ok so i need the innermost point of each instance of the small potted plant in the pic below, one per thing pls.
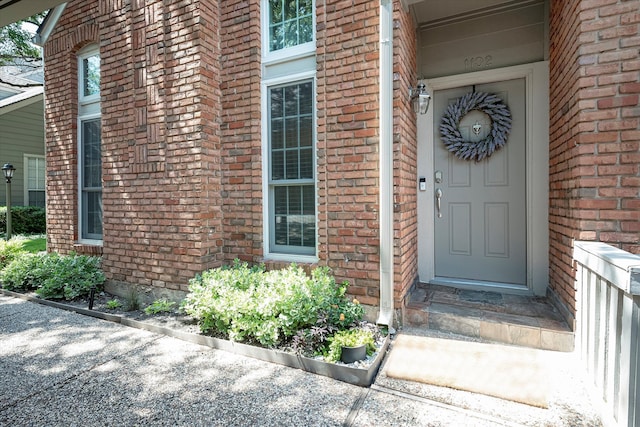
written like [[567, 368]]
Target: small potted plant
[[351, 345]]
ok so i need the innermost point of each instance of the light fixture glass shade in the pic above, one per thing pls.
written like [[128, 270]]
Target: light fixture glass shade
[[420, 98], [8, 170], [423, 103]]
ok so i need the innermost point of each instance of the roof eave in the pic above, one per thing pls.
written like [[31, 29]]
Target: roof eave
[[21, 100], [46, 28]]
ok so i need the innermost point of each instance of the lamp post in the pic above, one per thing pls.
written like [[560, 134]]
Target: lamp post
[[8, 171]]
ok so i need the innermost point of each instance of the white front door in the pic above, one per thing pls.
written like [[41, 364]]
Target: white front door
[[479, 226]]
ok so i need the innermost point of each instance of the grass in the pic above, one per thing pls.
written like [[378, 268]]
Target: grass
[[34, 244]]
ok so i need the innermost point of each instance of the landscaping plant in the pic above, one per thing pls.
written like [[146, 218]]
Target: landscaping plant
[[349, 338], [160, 306], [24, 220], [133, 300], [270, 307], [113, 304], [54, 276], [10, 250]]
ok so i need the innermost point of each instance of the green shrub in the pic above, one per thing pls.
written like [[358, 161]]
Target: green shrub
[[10, 250], [24, 220], [54, 276], [25, 272], [252, 304]]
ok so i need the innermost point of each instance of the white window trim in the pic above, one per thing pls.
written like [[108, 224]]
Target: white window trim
[[289, 53], [266, 199], [26, 158]]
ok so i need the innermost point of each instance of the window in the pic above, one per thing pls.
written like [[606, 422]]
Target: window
[[89, 147], [34, 182], [290, 23], [91, 76], [289, 111], [291, 181], [91, 180]]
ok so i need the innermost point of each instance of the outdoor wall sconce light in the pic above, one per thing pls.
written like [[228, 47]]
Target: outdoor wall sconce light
[[419, 98], [8, 171]]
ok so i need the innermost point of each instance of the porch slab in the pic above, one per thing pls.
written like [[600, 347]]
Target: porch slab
[[528, 321]]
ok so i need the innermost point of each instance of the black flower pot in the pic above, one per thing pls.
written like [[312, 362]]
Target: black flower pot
[[353, 354]]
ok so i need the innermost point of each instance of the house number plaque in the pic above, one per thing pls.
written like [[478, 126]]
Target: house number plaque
[[478, 62]]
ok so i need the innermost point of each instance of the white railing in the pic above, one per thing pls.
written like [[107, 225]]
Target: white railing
[[608, 326]]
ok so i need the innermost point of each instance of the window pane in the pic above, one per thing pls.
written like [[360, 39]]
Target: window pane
[[277, 165], [306, 164], [290, 33], [291, 100], [306, 131], [281, 231], [305, 30], [35, 182], [277, 109], [277, 37], [280, 201], [92, 215], [295, 200], [290, 10], [295, 230], [291, 133], [295, 216], [277, 134], [306, 98], [308, 200], [275, 11], [91, 154], [292, 164], [91, 180], [309, 232], [290, 23], [36, 198], [304, 7], [91, 75]]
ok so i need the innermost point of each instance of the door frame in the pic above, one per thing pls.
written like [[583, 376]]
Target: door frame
[[536, 77]]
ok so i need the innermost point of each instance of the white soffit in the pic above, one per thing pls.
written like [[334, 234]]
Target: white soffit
[[15, 10], [430, 12]]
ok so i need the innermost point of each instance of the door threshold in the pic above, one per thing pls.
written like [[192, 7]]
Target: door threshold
[[480, 285]]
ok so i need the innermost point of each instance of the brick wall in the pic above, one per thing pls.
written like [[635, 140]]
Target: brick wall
[[405, 154], [160, 100], [594, 141], [348, 138], [182, 143], [241, 156], [61, 111]]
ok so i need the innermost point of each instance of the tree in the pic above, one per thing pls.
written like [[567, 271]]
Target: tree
[[16, 48]]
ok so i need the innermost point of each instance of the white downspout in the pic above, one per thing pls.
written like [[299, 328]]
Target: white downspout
[[386, 314]]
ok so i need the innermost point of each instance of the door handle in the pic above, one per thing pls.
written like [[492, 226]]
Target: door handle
[[438, 199]]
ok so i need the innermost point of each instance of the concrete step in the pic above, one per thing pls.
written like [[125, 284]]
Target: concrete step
[[509, 319]]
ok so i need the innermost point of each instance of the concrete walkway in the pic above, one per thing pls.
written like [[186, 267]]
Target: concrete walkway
[[59, 368]]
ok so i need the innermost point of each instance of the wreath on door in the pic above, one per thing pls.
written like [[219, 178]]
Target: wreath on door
[[489, 104]]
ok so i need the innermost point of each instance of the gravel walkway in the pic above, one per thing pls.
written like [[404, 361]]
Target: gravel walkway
[[63, 369]]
